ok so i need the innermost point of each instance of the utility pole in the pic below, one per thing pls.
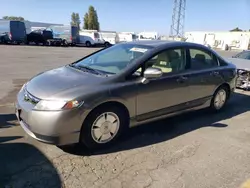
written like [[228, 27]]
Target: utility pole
[[178, 19]]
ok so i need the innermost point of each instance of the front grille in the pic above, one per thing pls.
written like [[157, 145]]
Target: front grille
[[30, 98]]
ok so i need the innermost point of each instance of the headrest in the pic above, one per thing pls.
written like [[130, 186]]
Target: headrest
[[200, 57], [174, 55]]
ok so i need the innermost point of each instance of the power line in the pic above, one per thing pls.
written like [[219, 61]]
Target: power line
[[178, 19]]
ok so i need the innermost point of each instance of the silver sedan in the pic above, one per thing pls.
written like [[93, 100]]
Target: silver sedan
[[95, 99]]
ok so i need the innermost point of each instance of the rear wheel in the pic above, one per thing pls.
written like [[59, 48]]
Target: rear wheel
[[220, 98], [103, 126], [88, 44]]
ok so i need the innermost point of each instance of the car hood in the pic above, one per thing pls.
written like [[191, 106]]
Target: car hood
[[56, 81], [240, 63]]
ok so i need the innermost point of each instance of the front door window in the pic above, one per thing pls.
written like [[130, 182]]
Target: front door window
[[163, 95]]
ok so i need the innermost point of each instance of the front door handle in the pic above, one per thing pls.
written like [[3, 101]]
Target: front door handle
[[214, 73], [182, 79]]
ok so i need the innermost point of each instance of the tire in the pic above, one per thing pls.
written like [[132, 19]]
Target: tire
[[226, 47], [106, 44], [48, 43], [89, 136], [88, 44], [219, 102], [4, 41], [65, 43]]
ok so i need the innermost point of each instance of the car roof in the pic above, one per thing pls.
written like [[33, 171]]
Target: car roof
[[164, 43]]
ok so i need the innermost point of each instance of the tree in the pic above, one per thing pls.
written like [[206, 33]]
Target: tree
[[85, 21], [75, 20], [17, 18], [236, 29], [90, 20], [78, 21]]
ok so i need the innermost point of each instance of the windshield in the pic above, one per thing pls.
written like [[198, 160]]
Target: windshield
[[243, 55], [115, 59], [96, 35]]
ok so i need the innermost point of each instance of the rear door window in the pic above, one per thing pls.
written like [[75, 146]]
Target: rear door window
[[200, 59]]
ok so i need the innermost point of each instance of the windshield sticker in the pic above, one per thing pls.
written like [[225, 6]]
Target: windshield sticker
[[142, 50]]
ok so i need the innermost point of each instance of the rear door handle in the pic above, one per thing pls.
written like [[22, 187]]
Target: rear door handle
[[182, 79]]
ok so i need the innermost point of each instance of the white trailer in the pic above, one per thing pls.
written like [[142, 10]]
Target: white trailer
[[126, 36], [148, 36], [110, 37], [220, 40], [195, 37]]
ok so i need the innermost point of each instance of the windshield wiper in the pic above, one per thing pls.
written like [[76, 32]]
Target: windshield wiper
[[87, 68]]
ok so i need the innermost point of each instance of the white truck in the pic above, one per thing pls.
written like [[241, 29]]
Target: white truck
[[90, 38]]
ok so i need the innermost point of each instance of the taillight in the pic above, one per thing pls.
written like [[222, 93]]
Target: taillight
[[71, 38], [10, 36]]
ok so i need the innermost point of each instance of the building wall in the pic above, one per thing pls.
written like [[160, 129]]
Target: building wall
[[235, 40]]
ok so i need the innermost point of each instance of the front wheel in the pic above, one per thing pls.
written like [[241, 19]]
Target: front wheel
[[103, 126], [219, 99], [65, 43], [106, 44]]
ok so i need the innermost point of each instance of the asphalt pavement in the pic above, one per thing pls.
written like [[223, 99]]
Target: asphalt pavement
[[196, 150]]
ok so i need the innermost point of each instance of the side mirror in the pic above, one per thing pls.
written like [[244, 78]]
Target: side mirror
[[152, 73]]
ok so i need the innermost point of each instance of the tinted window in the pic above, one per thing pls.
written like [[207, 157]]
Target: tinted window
[[201, 59], [134, 36], [168, 61]]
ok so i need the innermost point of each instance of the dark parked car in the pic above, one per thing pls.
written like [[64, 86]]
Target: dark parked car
[[94, 99], [12, 32], [39, 36]]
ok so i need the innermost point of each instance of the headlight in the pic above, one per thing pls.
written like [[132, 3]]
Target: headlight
[[47, 105], [24, 85]]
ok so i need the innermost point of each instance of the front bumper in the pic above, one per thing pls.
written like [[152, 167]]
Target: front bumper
[[243, 79], [52, 127]]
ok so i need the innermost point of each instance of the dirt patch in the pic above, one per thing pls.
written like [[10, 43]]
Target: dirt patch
[[10, 98]]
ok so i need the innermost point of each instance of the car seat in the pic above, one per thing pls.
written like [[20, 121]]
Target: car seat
[[163, 63], [198, 62], [175, 61]]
